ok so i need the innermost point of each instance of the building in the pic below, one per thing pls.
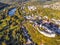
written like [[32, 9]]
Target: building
[[31, 8]]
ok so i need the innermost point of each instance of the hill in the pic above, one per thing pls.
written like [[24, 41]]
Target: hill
[[55, 6]]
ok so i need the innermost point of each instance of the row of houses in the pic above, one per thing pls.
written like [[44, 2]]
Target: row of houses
[[32, 17], [46, 32], [50, 28]]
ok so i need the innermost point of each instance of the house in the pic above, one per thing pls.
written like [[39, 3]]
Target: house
[[28, 41], [46, 6], [32, 8], [56, 21]]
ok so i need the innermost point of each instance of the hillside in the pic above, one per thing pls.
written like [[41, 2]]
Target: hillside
[[22, 24], [55, 6], [41, 1]]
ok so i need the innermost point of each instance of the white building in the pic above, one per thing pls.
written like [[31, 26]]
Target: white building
[[46, 6], [46, 34], [31, 8], [56, 21]]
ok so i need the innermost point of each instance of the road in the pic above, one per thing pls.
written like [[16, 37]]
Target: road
[[2, 5], [27, 36]]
